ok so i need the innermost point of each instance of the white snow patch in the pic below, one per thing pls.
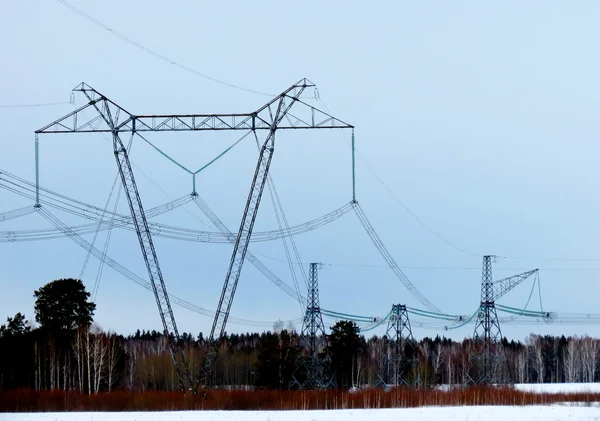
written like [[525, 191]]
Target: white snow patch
[[559, 387], [471, 413], [543, 387]]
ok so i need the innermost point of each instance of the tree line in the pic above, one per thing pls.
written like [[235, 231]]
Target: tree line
[[67, 351]]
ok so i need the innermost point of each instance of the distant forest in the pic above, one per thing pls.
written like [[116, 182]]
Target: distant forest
[[67, 351]]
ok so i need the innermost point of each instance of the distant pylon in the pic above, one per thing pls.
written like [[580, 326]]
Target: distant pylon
[[488, 359], [313, 369], [399, 356], [487, 333]]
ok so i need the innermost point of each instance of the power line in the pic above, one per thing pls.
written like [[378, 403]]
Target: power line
[[43, 104], [167, 194], [156, 54], [431, 230], [400, 202], [563, 259], [366, 265], [439, 236], [409, 211], [47, 104]]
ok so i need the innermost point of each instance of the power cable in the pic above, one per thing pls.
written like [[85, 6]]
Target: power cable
[[106, 243], [409, 211], [562, 259], [474, 268], [249, 256], [390, 260], [167, 231], [427, 227], [155, 54], [395, 197], [76, 207], [16, 213], [108, 233], [291, 264], [47, 104], [167, 194], [280, 215], [137, 279], [43, 104], [540, 291], [99, 225], [212, 161]]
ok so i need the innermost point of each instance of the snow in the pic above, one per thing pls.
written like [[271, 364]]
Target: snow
[[559, 387], [471, 413], [545, 387]]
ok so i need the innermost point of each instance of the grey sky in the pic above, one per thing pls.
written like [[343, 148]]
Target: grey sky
[[481, 117]]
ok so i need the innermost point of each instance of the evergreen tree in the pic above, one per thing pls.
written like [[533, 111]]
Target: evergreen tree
[[344, 345], [62, 305]]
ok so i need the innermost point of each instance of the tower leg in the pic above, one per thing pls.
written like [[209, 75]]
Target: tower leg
[[154, 272]]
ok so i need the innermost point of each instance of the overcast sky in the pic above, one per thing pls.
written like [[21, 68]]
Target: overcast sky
[[481, 117]]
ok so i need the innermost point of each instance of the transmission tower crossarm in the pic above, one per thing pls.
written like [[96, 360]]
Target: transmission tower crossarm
[[502, 286], [262, 119], [104, 120]]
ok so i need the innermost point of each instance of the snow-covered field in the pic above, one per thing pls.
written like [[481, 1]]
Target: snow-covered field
[[471, 413], [548, 387], [559, 387]]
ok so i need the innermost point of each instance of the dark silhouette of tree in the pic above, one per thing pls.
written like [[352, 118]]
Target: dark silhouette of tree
[[62, 305], [276, 360], [15, 326], [16, 356], [344, 345]]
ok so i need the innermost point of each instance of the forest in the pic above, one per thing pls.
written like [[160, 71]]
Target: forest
[[66, 350]]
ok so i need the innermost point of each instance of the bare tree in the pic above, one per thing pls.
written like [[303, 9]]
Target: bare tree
[[589, 358], [522, 366], [99, 351], [450, 365], [467, 353], [436, 360], [423, 366], [52, 360], [535, 345], [113, 360], [79, 353], [132, 352], [572, 361]]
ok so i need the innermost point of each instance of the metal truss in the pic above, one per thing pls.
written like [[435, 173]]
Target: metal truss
[[109, 117], [399, 359], [487, 334], [263, 118], [314, 370]]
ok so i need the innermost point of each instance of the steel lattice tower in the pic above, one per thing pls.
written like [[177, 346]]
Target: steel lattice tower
[[487, 328], [313, 371], [110, 118], [487, 336], [399, 358]]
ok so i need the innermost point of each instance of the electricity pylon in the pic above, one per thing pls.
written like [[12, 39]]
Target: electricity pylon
[[109, 117], [487, 334], [399, 358], [314, 370]]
